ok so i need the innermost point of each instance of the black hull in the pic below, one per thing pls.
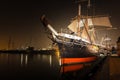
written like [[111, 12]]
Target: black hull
[[74, 51]]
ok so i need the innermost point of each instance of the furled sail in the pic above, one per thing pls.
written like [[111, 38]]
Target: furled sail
[[74, 25], [101, 21], [93, 21], [77, 26]]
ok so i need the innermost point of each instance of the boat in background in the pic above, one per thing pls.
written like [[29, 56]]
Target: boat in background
[[78, 43]]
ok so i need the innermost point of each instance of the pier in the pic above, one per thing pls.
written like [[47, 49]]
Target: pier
[[110, 69], [28, 51], [106, 68]]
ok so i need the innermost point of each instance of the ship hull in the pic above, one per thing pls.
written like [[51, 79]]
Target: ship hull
[[71, 50], [71, 53]]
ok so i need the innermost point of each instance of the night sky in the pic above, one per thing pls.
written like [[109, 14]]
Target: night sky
[[20, 20]]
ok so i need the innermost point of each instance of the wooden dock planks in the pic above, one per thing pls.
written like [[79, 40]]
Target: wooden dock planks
[[114, 64]]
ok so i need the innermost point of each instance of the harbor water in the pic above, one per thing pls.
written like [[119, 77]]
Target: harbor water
[[43, 66], [29, 66]]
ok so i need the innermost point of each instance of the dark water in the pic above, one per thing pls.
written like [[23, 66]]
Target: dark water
[[29, 66]]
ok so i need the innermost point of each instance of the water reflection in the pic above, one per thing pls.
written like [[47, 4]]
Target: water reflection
[[29, 65], [24, 59], [21, 59], [39, 66], [71, 68], [50, 59], [42, 58]]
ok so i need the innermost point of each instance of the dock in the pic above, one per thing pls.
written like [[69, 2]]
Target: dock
[[110, 70], [114, 68], [107, 68], [15, 51]]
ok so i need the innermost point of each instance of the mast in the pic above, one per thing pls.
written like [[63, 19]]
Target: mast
[[9, 43], [79, 13], [80, 24], [89, 4], [86, 23], [79, 9]]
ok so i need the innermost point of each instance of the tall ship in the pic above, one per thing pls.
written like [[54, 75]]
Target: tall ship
[[79, 40]]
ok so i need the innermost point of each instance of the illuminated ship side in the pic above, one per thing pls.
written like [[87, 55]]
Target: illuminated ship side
[[79, 41]]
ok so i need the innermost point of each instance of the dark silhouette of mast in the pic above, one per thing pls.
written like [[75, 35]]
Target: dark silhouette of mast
[[9, 43], [79, 17]]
